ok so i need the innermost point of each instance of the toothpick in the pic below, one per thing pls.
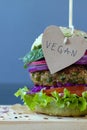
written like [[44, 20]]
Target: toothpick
[[71, 15]]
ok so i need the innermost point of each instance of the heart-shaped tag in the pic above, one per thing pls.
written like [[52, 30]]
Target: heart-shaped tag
[[57, 54]]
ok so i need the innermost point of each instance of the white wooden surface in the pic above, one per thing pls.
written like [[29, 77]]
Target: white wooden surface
[[17, 117]]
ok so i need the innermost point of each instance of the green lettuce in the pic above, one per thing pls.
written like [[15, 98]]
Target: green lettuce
[[42, 100], [33, 55]]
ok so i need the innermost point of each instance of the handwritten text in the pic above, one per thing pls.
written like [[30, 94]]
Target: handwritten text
[[61, 49]]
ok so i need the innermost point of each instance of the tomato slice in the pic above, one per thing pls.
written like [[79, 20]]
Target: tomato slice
[[73, 90]]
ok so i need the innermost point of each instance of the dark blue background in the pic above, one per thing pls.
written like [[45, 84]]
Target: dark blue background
[[21, 21]]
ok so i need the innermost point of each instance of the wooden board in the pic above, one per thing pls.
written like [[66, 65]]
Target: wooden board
[[18, 117]]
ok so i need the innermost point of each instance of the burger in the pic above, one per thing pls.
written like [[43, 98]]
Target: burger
[[63, 93]]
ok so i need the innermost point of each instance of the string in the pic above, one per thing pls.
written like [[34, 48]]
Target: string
[[70, 20], [71, 16]]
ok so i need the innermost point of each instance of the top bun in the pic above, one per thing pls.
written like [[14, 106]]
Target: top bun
[[67, 33]]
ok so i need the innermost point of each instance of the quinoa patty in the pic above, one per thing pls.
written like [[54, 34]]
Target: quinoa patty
[[74, 74]]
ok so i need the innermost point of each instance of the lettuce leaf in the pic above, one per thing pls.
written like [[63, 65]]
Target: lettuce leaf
[[42, 100], [21, 92], [33, 55]]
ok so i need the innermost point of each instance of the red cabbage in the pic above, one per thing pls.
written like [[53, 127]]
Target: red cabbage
[[82, 61], [38, 88], [35, 89], [41, 65], [37, 68]]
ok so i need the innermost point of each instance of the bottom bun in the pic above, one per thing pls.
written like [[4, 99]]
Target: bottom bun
[[55, 111]]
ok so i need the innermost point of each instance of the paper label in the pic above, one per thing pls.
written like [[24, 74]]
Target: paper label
[[57, 54]]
